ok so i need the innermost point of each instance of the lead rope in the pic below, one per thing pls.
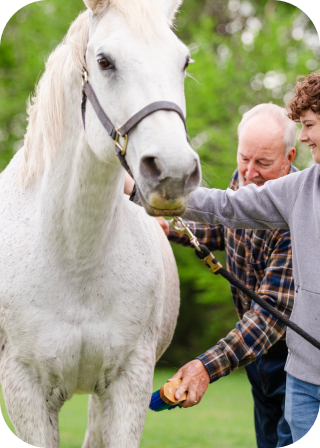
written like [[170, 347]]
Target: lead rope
[[215, 267]]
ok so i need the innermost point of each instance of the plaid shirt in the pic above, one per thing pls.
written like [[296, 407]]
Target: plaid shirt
[[261, 259]]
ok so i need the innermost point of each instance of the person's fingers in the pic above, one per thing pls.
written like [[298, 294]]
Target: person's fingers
[[184, 383], [191, 398], [198, 381], [128, 184], [164, 224], [182, 388], [195, 380]]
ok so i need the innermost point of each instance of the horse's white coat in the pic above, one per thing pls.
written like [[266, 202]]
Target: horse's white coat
[[89, 290]]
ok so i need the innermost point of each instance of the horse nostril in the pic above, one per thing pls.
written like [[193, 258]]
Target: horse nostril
[[193, 179], [149, 168]]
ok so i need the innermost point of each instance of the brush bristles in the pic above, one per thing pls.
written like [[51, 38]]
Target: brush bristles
[[157, 404]]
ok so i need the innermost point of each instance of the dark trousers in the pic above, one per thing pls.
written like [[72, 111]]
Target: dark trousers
[[268, 381]]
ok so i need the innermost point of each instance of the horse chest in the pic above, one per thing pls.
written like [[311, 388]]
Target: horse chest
[[91, 324]]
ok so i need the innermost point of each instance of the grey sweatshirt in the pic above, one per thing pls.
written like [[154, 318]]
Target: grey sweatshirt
[[290, 202]]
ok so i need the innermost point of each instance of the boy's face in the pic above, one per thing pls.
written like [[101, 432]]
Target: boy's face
[[310, 133]]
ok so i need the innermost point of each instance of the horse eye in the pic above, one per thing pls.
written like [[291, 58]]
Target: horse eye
[[104, 63]]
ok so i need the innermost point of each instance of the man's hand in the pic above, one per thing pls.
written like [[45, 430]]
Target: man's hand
[[128, 184], [195, 380], [164, 224]]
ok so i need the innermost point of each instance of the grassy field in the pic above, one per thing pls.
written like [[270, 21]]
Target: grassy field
[[224, 418]]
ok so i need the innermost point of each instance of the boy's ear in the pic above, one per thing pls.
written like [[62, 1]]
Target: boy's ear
[[96, 6]]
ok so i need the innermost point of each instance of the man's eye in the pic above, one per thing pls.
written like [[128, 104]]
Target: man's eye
[[104, 63]]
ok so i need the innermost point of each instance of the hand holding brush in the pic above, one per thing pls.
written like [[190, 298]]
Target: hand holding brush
[[164, 397], [186, 388]]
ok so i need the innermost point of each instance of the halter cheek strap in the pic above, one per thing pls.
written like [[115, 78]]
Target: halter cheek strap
[[116, 133]]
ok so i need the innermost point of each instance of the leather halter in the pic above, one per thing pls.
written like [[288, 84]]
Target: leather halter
[[116, 133]]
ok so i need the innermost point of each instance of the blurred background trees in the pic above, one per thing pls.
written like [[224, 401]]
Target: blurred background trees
[[245, 53]]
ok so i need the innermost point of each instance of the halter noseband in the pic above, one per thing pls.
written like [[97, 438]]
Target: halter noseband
[[116, 133]]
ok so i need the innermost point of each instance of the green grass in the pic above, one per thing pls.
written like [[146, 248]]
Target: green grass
[[223, 419]]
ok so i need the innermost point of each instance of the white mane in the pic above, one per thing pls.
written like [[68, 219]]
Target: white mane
[[144, 16], [45, 109]]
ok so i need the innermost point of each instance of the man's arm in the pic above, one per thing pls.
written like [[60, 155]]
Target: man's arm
[[256, 332]]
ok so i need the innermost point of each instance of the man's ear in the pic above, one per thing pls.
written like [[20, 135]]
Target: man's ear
[[171, 7], [291, 155], [96, 6]]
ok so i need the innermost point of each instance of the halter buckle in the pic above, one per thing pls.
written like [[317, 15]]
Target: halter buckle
[[84, 76], [116, 142]]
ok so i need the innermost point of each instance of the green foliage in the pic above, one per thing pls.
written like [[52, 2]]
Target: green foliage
[[28, 39], [246, 53]]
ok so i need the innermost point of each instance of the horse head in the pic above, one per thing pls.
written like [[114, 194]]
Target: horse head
[[133, 60]]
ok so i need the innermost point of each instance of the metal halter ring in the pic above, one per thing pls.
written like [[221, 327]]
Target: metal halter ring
[[84, 76], [116, 142]]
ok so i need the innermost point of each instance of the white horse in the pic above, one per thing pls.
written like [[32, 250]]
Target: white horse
[[89, 291]]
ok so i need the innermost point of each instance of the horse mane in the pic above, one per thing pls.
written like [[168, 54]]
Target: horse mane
[[46, 108], [145, 16]]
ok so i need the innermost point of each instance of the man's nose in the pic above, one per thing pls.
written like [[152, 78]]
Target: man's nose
[[251, 172]]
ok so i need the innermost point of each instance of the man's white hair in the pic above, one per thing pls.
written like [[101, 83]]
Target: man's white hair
[[279, 115]]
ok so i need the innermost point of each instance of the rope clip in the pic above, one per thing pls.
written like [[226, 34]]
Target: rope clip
[[182, 227]]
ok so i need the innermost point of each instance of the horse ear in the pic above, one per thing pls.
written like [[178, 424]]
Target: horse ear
[[96, 6], [171, 8]]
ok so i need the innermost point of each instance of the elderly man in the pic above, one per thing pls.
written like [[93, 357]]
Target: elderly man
[[261, 259]]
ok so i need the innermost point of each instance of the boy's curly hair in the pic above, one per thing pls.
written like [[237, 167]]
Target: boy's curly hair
[[307, 96]]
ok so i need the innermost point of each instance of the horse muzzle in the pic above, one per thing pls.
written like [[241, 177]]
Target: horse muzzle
[[163, 195]]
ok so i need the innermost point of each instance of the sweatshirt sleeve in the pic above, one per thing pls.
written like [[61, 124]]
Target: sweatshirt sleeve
[[250, 207]]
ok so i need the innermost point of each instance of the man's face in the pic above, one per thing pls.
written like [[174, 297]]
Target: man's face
[[261, 153], [310, 133]]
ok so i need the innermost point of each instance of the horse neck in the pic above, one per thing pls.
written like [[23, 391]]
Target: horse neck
[[83, 197]]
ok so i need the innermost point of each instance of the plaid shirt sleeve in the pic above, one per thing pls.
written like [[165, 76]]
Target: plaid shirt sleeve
[[210, 236], [257, 331]]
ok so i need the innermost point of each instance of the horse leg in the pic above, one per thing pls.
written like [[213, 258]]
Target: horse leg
[[27, 407], [93, 437], [125, 403]]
